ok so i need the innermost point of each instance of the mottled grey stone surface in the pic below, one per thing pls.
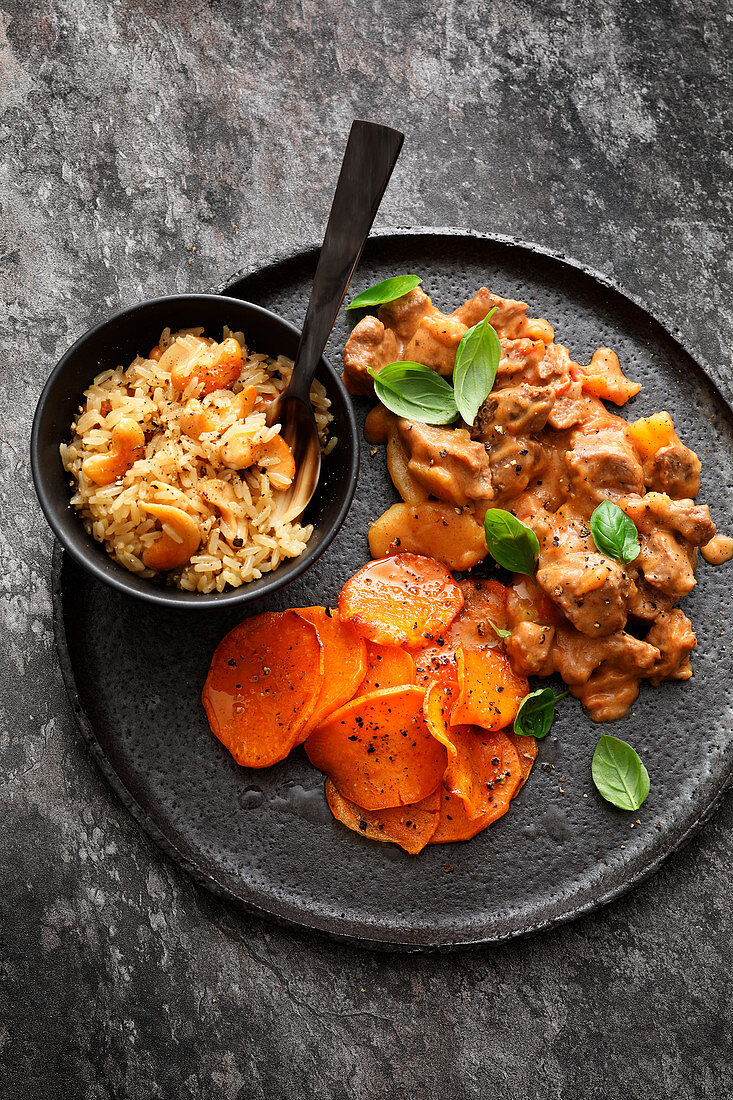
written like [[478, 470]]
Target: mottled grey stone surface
[[151, 146]]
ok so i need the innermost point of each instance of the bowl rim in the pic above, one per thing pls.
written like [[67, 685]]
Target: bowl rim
[[176, 598]]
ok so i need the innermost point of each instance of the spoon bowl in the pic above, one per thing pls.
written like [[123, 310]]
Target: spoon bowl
[[298, 429]]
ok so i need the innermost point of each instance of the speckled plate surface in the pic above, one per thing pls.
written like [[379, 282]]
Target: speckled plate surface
[[266, 839]]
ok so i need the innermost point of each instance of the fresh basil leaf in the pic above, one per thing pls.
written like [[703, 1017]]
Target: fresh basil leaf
[[477, 361], [614, 533], [510, 542], [386, 291], [415, 391], [499, 632], [618, 773], [537, 712]]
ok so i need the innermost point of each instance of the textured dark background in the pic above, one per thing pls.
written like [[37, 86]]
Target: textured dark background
[[152, 146]]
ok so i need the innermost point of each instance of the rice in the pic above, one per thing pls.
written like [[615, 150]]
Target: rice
[[241, 537]]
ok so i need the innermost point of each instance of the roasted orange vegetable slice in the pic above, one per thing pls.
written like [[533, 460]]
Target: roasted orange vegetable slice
[[439, 701], [378, 750], [455, 824], [409, 826], [526, 751], [490, 691], [485, 770], [262, 687], [485, 602], [434, 662], [387, 666], [344, 662], [403, 600]]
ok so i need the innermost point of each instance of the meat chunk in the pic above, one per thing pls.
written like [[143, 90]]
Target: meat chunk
[[510, 320], [404, 315], [673, 636], [447, 463], [520, 362], [671, 531], [571, 407], [528, 648], [591, 590], [689, 520], [435, 343], [667, 565], [603, 465], [515, 461], [537, 650], [674, 470], [518, 410], [376, 341], [604, 673], [556, 367], [369, 345], [646, 602]]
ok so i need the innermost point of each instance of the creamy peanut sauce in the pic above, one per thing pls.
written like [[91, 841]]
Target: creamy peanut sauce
[[545, 447], [719, 550]]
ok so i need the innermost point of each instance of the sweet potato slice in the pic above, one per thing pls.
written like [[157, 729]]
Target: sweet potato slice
[[431, 528], [439, 701], [403, 600], [455, 824], [485, 602], [262, 687], [388, 666], [526, 751], [344, 663], [409, 826], [484, 772], [378, 750], [434, 661], [490, 691]]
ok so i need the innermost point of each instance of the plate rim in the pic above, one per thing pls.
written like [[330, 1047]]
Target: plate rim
[[208, 881]]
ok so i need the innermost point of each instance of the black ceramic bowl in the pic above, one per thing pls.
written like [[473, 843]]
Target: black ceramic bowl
[[116, 341]]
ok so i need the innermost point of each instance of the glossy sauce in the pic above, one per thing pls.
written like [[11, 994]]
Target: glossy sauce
[[719, 550]]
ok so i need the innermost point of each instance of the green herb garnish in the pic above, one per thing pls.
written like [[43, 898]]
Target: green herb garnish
[[614, 533], [510, 542], [386, 291], [618, 773], [537, 712], [474, 373], [500, 633], [416, 392]]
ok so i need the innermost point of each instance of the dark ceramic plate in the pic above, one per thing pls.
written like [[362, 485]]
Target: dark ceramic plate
[[267, 839]]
